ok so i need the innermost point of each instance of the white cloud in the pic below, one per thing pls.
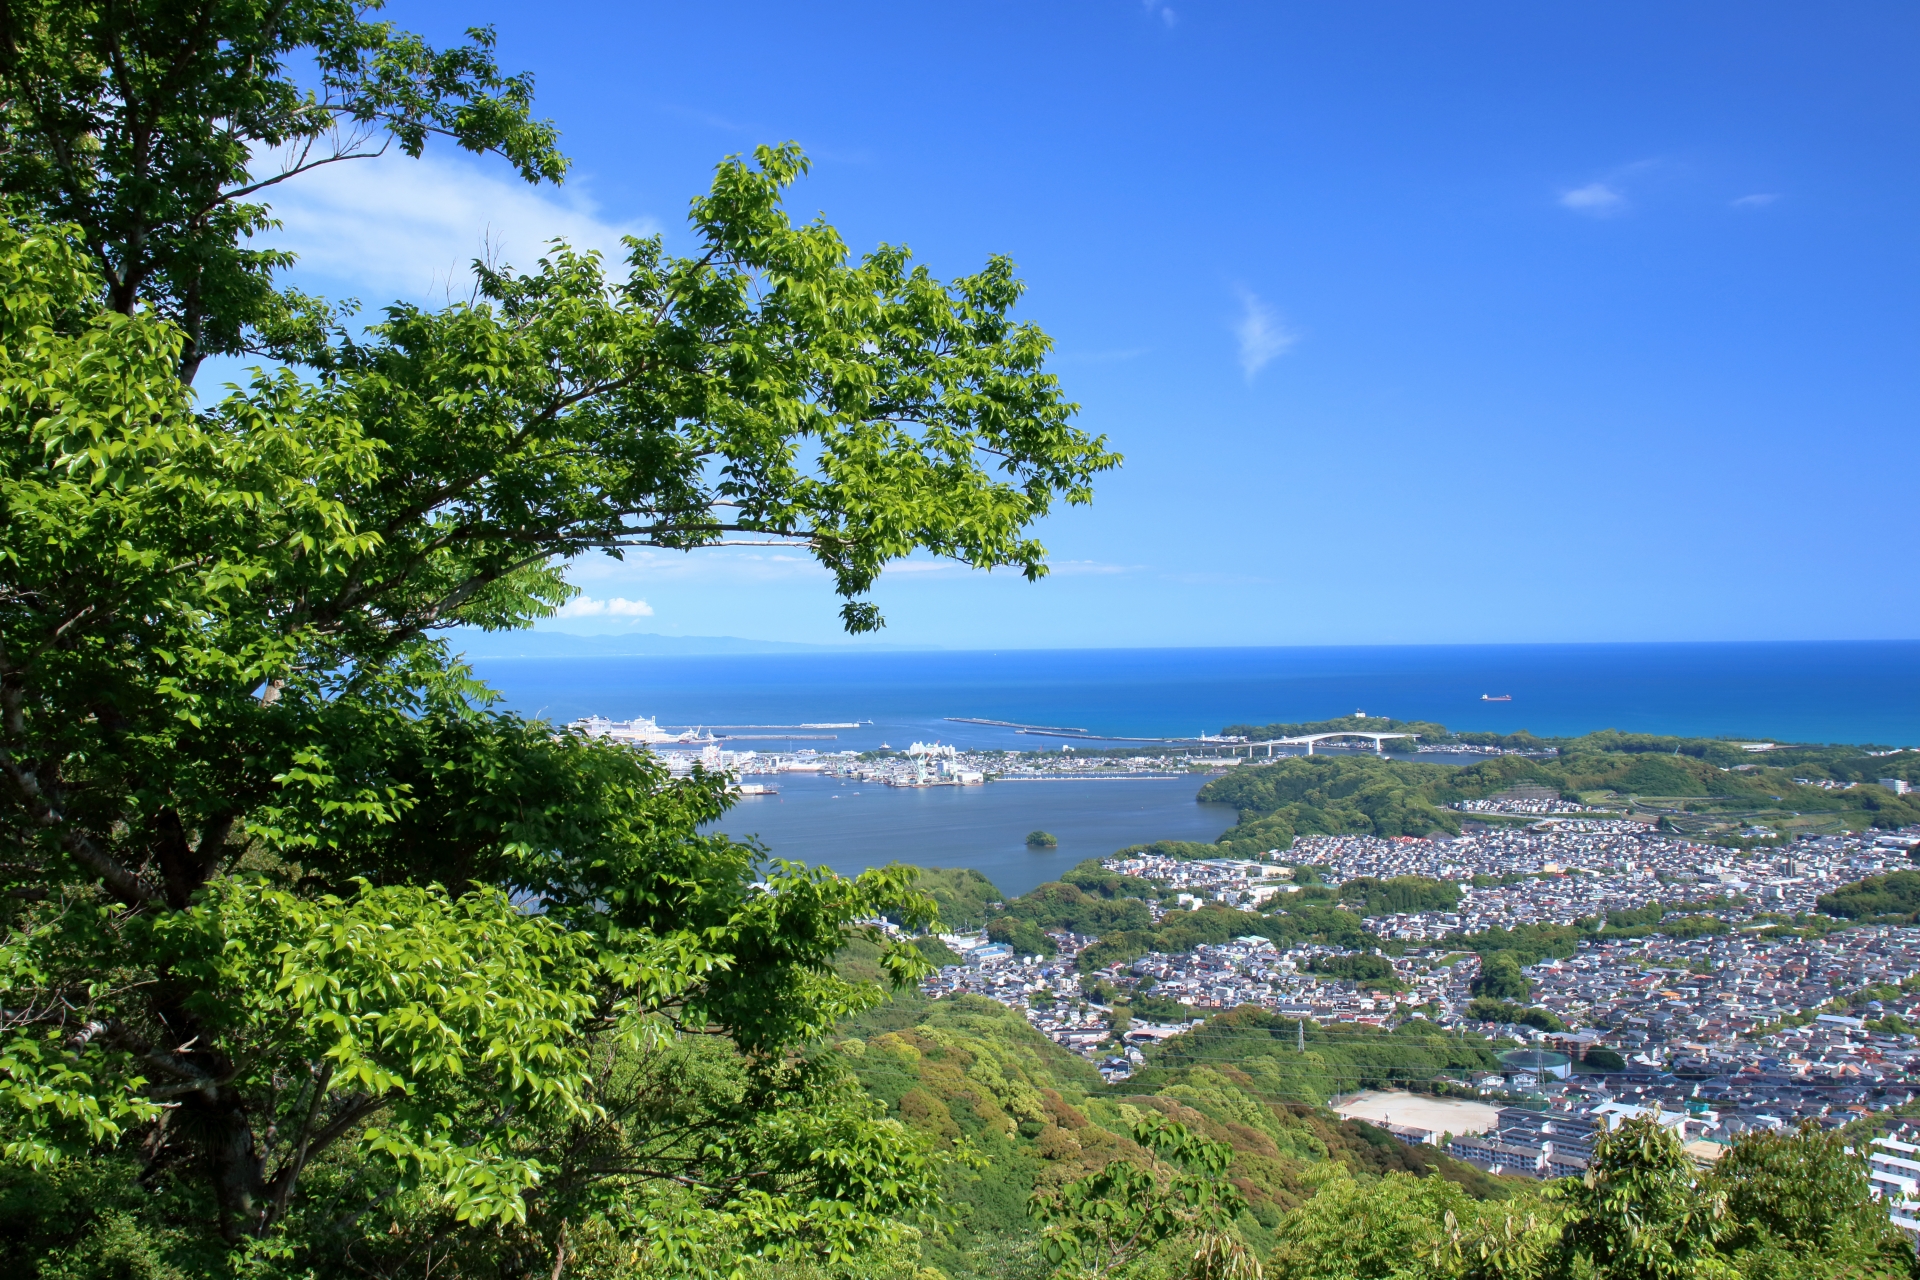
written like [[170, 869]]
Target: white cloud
[[1596, 200], [645, 569], [400, 228], [1262, 335], [1164, 12], [618, 607], [1757, 200]]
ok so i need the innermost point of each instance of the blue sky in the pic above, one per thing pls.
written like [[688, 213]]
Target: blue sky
[[1416, 323]]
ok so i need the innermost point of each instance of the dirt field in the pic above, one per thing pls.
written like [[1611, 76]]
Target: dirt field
[[1442, 1115]]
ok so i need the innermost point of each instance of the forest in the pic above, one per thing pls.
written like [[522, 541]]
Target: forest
[[1689, 781]]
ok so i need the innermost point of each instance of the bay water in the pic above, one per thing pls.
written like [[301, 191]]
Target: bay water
[[1857, 692]]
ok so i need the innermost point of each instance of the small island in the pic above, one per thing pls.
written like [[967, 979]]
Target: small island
[[1042, 840]]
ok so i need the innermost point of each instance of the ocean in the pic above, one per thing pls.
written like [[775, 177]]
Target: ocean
[[1859, 692]]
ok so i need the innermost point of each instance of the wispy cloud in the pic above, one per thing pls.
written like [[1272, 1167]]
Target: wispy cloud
[[1757, 200], [643, 570], [1613, 192], [1596, 200], [1164, 12], [1072, 567], [618, 607], [723, 123], [400, 228], [1262, 335]]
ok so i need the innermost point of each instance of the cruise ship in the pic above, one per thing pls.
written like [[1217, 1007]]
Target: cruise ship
[[642, 730]]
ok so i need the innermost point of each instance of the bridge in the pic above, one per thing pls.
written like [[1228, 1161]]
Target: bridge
[[1310, 739]]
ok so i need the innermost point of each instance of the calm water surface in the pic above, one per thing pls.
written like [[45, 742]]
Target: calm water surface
[[1828, 692], [1863, 692], [851, 826]]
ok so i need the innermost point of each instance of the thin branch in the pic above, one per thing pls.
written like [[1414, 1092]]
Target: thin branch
[[294, 171], [283, 1182]]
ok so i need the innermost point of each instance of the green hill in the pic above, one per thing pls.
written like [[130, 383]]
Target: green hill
[[971, 1071], [1684, 777], [1892, 899]]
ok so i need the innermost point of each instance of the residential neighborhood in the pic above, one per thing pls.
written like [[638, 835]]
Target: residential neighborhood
[[1718, 1034]]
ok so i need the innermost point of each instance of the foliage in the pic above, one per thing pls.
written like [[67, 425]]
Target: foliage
[[151, 127], [1156, 1008], [972, 1076], [1213, 924], [1329, 795], [1500, 979], [1186, 849], [1528, 944], [1042, 840], [1374, 897], [292, 913], [1799, 1205], [937, 953], [1402, 1227], [961, 893], [1774, 1206], [1023, 935], [1092, 878], [1490, 1009], [1894, 898], [1642, 1212], [1365, 794], [1337, 1058], [1099, 1224], [1058, 905], [1356, 968], [696, 1158]]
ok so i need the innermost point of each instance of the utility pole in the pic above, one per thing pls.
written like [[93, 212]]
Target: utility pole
[[1301, 1027]]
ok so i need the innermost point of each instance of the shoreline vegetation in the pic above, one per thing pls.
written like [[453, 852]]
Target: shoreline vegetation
[[1706, 788]]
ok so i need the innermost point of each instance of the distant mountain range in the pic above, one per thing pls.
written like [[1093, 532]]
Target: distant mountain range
[[563, 644]]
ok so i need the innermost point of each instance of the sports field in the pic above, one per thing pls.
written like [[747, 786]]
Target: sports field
[[1442, 1115]]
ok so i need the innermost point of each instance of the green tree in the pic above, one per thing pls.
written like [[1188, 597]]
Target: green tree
[[1488, 1009], [286, 894], [1501, 979], [153, 126], [1100, 1224], [961, 893], [1895, 896], [1400, 893], [1358, 968], [1642, 1213], [1024, 936], [1402, 1227], [1800, 1205]]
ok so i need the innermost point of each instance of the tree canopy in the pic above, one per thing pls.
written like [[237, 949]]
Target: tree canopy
[[289, 901]]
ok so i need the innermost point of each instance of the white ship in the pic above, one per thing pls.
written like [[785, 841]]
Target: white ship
[[642, 731]]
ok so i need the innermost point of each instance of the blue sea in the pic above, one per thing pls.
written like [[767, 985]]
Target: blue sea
[[1856, 692]]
